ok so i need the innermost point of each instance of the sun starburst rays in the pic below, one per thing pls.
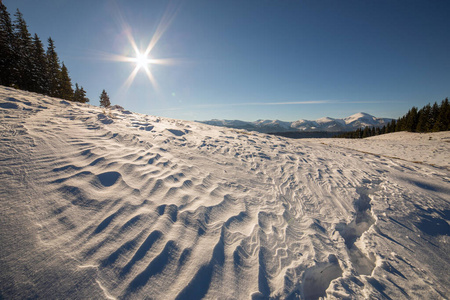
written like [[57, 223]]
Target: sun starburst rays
[[142, 59]]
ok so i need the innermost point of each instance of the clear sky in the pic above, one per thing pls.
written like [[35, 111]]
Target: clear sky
[[253, 59]]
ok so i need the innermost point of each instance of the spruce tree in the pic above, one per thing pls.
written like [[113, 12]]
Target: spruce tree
[[443, 120], [7, 57], [424, 125], [399, 126], [388, 127], [434, 114], [411, 120], [358, 133], [83, 94], [53, 70], [366, 132], [23, 49], [393, 126], [39, 82], [79, 95], [65, 88], [104, 99]]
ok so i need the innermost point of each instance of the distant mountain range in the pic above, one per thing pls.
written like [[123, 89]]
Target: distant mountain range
[[326, 124]]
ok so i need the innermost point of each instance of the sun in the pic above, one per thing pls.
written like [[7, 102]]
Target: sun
[[142, 60]]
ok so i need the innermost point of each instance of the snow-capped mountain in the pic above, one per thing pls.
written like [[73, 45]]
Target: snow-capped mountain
[[325, 124]]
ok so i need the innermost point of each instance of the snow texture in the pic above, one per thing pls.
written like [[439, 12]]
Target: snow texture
[[112, 204]]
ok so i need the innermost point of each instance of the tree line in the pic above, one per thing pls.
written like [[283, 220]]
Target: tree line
[[430, 118], [25, 65]]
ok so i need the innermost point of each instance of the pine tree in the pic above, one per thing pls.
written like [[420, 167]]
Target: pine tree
[[358, 133], [434, 115], [378, 131], [65, 88], [399, 126], [79, 95], [443, 120], [83, 93], [446, 115], [393, 126], [411, 120], [423, 125], [23, 48], [366, 132], [39, 82], [53, 70], [388, 127], [104, 99], [7, 57]]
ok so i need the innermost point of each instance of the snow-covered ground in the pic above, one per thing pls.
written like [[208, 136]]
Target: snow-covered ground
[[424, 148], [101, 204]]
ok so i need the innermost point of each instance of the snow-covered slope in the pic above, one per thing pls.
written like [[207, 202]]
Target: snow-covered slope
[[325, 124], [117, 205]]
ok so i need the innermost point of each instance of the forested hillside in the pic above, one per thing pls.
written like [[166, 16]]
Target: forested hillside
[[25, 65], [427, 119]]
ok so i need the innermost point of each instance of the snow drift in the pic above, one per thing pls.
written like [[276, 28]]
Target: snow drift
[[105, 204]]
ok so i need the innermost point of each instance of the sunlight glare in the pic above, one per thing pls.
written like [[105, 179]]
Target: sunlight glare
[[142, 60]]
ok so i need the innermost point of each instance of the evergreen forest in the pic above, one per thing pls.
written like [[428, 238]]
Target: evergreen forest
[[25, 65], [430, 118]]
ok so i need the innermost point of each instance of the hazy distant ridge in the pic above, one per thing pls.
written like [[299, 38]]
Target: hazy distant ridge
[[326, 124]]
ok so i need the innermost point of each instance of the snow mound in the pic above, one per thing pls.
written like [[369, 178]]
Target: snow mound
[[107, 205]]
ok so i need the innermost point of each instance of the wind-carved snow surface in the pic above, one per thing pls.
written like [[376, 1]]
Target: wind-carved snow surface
[[111, 204]]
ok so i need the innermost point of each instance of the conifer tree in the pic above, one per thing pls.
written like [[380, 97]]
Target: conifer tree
[[398, 125], [104, 99], [424, 124], [83, 92], [39, 82], [434, 114], [65, 88], [76, 93], [53, 70], [23, 49], [79, 95], [389, 127], [7, 57], [393, 126], [411, 120], [443, 120], [366, 132], [359, 133]]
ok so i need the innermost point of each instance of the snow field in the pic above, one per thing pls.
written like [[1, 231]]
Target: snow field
[[114, 204]]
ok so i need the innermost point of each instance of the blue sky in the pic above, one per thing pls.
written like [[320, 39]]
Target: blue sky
[[254, 59]]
